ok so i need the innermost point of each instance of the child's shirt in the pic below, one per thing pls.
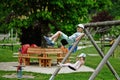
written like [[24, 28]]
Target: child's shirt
[[77, 64], [74, 36]]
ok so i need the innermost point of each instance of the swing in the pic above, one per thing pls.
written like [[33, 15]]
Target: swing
[[72, 68], [74, 50], [64, 42], [63, 61]]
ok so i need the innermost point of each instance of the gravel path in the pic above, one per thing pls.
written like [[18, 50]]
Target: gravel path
[[9, 66]]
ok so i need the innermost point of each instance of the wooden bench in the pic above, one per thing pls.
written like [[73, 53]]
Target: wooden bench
[[42, 55], [36, 53], [55, 51]]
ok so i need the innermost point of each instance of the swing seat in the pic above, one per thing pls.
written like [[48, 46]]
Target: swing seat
[[72, 68], [64, 42], [74, 50]]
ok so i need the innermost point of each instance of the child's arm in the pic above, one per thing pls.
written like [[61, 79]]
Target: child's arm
[[79, 37], [80, 65]]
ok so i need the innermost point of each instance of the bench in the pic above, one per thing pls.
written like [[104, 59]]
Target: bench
[[55, 51], [109, 43], [42, 55], [36, 53]]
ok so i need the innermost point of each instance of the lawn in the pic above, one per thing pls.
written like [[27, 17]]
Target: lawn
[[91, 61]]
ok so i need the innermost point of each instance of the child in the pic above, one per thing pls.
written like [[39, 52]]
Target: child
[[77, 64], [70, 39]]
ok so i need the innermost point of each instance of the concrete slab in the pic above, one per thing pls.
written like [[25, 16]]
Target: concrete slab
[[9, 66]]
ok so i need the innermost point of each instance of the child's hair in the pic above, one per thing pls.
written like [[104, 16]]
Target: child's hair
[[78, 58], [83, 58]]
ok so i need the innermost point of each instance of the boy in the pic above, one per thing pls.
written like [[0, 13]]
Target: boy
[[77, 64], [69, 39]]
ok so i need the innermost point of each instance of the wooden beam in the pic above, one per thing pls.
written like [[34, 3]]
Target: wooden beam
[[104, 23]]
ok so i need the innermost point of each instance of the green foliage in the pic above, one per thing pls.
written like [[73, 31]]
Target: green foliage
[[59, 10], [44, 14], [115, 10], [60, 14], [103, 5], [97, 37], [115, 31]]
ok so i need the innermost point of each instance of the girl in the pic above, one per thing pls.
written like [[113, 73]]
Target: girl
[[77, 64]]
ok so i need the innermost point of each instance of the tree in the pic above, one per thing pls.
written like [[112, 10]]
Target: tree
[[44, 15], [115, 11], [101, 16]]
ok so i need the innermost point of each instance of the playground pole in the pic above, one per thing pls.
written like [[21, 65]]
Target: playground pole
[[104, 23], [63, 61], [104, 60], [101, 54]]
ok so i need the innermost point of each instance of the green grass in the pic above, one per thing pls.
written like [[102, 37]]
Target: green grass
[[91, 61], [6, 55]]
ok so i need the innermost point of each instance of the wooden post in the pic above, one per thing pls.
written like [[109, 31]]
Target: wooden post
[[104, 60]]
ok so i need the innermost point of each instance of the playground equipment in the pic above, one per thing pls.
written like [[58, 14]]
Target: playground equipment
[[64, 42], [19, 68], [63, 61], [105, 58], [102, 55]]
